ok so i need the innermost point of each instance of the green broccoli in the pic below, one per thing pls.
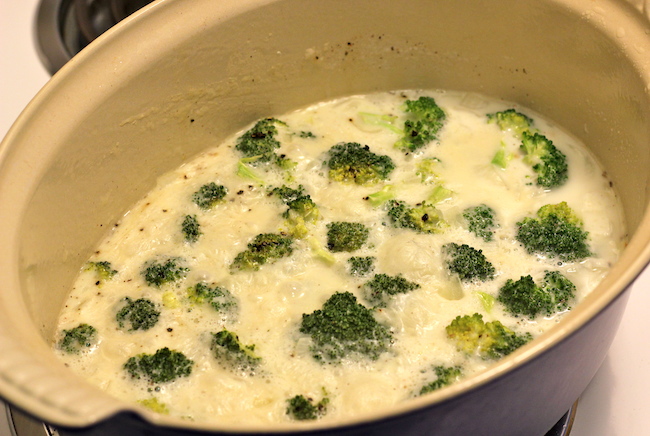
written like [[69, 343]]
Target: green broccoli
[[440, 194], [73, 341], [560, 210], [159, 273], [486, 300], [346, 236], [546, 160], [502, 157], [481, 220], [344, 328], [380, 120], [468, 263], [423, 218], [379, 289], [382, 196], [556, 232], [306, 134], [302, 408], [155, 405], [320, 252], [511, 120], [301, 209], [140, 314], [264, 248], [361, 266], [230, 352], [524, 297], [163, 366], [246, 172], [445, 376], [102, 269], [209, 195], [260, 143], [355, 163], [489, 340], [426, 120], [428, 169], [297, 202], [191, 228], [219, 298]]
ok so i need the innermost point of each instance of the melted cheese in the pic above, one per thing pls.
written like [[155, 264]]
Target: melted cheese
[[273, 299]]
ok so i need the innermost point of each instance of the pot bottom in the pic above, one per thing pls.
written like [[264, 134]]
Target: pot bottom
[[23, 425]]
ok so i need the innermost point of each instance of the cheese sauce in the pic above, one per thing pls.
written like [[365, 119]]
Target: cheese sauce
[[271, 301]]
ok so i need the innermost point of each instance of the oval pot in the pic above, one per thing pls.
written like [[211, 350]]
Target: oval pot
[[178, 77]]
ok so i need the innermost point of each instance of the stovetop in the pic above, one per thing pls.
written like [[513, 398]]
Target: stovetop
[[614, 404]]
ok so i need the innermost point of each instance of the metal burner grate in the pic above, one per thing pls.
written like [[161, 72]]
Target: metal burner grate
[[65, 27], [23, 425]]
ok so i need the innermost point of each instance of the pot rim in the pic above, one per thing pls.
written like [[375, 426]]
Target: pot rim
[[636, 255]]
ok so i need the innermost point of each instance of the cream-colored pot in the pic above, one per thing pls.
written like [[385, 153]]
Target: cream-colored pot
[[181, 75]]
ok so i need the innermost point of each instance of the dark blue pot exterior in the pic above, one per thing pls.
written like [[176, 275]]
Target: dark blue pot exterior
[[527, 401]]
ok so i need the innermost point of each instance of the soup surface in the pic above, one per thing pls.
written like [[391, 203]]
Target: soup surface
[[434, 232]]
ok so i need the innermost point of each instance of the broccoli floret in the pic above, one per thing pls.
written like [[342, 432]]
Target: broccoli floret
[[230, 352], [163, 366], [302, 408], [288, 194], [546, 160], [382, 287], [361, 266], [489, 340], [102, 269], [140, 314], [160, 273], [562, 211], [73, 341], [481, 220], [468, 263], [264, 248], [191, 228], [297, 202], [355, 163], [344, 328], [423, 218], [445, 375], [221, 299], [346, 236], [260, 143], [511, 120], [556, 232], [209, 195], [525, 298], [301, 209], [426, 119]]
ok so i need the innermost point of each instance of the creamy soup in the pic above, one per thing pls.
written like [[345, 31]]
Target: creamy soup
[[470, 161]]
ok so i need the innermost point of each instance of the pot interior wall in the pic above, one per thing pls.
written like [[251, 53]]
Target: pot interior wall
[[163, 100]]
